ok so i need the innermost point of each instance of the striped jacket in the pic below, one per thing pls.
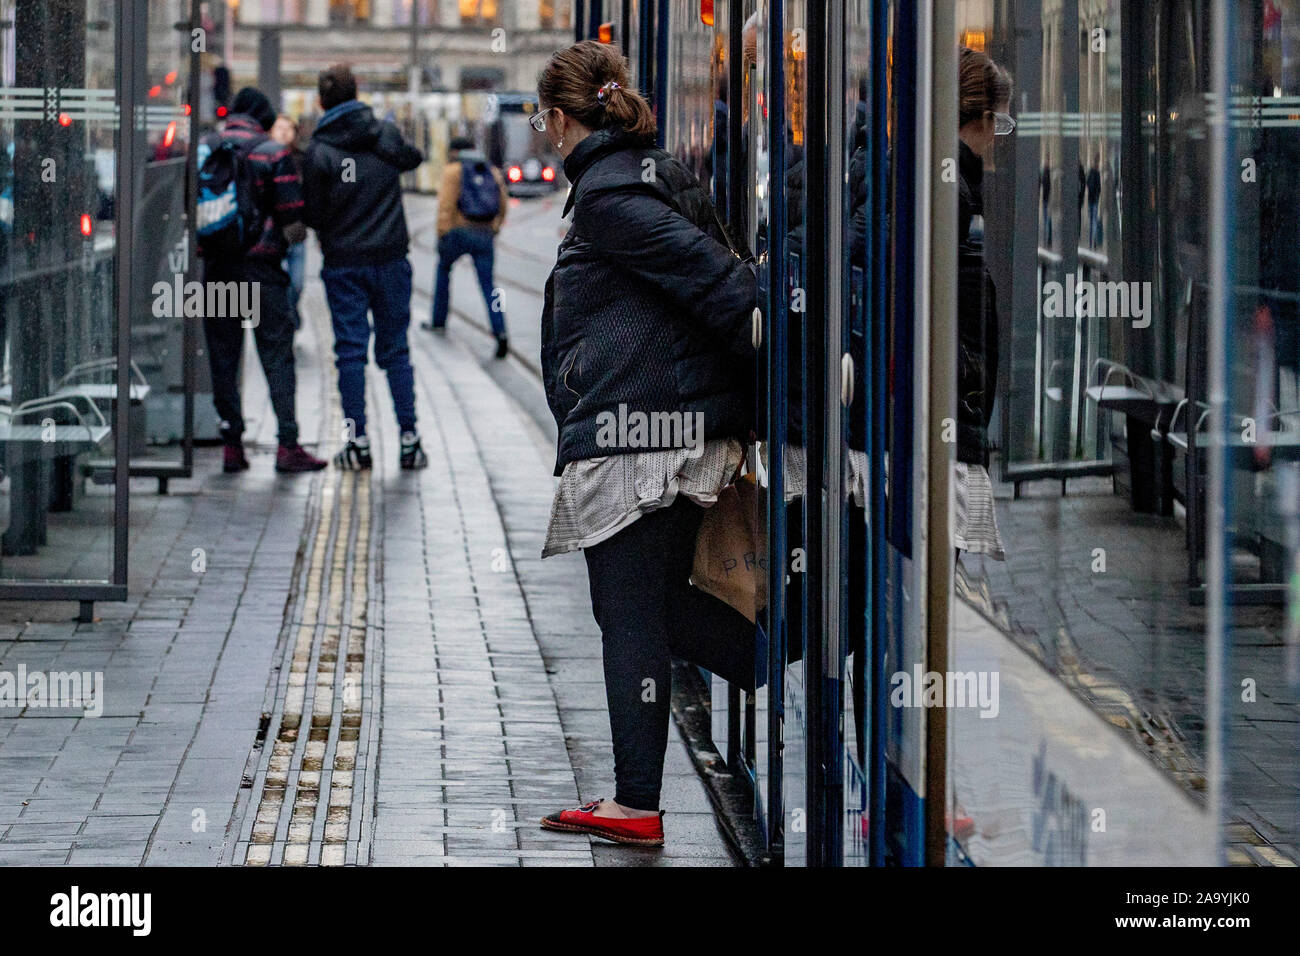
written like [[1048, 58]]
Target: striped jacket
[[278, 182]]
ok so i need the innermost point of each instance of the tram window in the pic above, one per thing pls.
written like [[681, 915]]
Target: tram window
[[1097, 525]]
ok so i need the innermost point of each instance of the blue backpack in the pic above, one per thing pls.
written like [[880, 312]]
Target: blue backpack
[[228, 219], [480, 196]]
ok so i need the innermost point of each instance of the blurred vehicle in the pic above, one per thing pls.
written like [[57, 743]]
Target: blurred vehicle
[[530, 165]]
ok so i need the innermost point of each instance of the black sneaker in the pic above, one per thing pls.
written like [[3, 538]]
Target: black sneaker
[[503, 346], [413, 456], [353, 457]]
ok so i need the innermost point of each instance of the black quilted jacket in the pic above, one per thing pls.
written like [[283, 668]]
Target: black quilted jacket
[[353, 190], [977, 321], [646, 306]]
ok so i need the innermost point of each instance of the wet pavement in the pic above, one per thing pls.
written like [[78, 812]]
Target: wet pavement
[[343, 669]]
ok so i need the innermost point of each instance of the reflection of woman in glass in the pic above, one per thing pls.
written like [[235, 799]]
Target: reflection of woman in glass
[[985, 101]]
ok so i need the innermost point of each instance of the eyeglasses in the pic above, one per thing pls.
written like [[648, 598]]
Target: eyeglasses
[[1004, 124], [538, 120]]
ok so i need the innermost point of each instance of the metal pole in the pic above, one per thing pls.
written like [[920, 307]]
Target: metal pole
[[661, 69], [878, 337], [936, 290], [735, 198], [228, 36], [189, 338], [1219, 344], [835, 350], [778, 302], [132, 34], [268, 65], [414, 72]]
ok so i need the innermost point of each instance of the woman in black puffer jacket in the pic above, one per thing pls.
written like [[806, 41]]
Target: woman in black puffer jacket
[[985, 99], [648, 363]]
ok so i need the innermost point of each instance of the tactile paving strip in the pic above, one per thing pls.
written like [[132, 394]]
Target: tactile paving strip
[[308, 792]]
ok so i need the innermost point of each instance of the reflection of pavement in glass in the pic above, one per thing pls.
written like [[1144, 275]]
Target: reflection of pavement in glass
[[1128, 641], [1047, 783]]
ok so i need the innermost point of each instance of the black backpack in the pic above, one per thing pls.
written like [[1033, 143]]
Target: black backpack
[[228, 218], [480, 196]]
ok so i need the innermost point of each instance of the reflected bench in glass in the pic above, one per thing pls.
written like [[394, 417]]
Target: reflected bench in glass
[[1144, 403], [90, 431], [72, 383], [1245, 452]]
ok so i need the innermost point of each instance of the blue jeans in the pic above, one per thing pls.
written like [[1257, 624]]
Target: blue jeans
[[476, 242], [295, 263], [385, 292]]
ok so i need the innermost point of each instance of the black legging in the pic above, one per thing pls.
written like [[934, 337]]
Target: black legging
[[648, 613]]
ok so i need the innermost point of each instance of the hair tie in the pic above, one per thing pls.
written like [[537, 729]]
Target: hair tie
[[602, 94]]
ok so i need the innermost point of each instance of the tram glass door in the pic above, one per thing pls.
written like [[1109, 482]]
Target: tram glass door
[[783, 51], [1252, 571], [1088, 612], [864, 148]]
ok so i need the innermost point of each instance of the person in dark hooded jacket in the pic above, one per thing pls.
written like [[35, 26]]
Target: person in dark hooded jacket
[[353, 195], [278, 191], [647, 361]]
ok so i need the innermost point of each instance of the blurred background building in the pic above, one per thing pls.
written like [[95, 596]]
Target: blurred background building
[[453, 45], [431, 66]]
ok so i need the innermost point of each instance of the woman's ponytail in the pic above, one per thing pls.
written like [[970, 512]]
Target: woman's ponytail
[[589, 81], [628, 109]]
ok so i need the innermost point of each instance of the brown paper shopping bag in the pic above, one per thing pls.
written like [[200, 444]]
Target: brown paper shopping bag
[[731, 550]]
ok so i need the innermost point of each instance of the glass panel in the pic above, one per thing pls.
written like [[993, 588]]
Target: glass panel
[[694, 58], [58, 327], [1077, 682], [758, 211], [1262, 454], [901, 633], [162, 247], [697, 132], [859, 160], [789, 270]]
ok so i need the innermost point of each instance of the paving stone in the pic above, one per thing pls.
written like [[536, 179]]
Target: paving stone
[[483, 712]]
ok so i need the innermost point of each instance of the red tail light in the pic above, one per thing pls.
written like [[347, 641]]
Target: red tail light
[[548, 174], [169, 137], [706, 12], [87, 224], [516, 174], [65, 119], [222, 111]]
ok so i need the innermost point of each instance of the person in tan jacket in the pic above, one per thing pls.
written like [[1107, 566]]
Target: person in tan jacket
[[472, 201]]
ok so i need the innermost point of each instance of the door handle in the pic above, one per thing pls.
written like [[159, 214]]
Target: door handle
[[756, 328], [846, 380]]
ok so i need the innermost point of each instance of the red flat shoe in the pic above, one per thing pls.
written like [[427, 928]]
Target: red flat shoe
[[638, 831]]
